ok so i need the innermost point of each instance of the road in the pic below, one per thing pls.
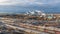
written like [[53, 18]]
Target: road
[[20, 28], [25, 29], [30, 30]]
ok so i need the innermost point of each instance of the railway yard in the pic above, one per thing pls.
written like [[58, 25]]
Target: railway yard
[[28, 24]]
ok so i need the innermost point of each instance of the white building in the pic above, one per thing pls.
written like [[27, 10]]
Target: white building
[[36, 12]]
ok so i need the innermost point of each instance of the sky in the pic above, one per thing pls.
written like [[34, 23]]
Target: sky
[[29, 2], [18, 6]]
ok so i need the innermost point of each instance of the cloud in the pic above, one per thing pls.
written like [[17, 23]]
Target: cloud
[[47, 2], [29, 2]]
